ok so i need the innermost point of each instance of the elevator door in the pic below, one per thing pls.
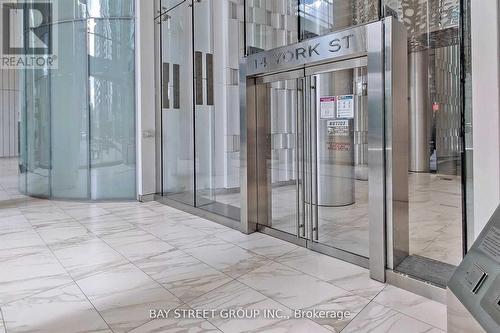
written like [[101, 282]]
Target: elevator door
[[313, 159]]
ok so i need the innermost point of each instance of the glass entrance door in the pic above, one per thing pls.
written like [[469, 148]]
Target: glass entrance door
[[313, 156], [176, 70]]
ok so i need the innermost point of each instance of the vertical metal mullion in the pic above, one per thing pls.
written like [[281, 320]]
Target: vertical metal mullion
[[161, 144], [462, 102], [310, 157], [193, 87], [314, 162], [298, 123]]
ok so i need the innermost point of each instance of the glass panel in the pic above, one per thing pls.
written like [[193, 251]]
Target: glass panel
[[217, 107], [436, 142], [23, 144], [70, 114], [110, 8], [270, 24], [112, 108], [177, 102], [319, 17], [38, 132], [342, 161], [280, 121], [69, 10]]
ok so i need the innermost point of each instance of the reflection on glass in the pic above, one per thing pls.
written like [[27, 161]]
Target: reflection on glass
[[217, 125], [177, 104], [342, 162], [37, 132], [112, 108], [270, 24], [70, 9], [69, 114], [435, 141], [280, 121], [319, 17], [70, 148]]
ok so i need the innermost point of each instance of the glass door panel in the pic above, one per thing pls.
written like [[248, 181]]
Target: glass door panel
[[216, 120], [282, 167], [339, 108], [177, 101], [313, 157], [279, 151]]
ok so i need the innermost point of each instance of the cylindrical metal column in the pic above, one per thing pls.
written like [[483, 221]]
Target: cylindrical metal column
[[419, 157], [335, 144]]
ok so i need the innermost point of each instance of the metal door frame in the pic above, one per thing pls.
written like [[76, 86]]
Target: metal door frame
[[384, 44]]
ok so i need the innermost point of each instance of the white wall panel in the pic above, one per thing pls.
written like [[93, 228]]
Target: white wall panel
[[486, 112]]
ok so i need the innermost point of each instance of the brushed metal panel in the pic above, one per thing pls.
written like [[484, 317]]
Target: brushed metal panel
[[396, 152], [263, 154], [459, 319], [419, 160], [248, 170], [348, 43], [376, 173]]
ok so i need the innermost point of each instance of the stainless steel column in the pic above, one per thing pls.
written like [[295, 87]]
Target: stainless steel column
[[419, 157], [335, 152]]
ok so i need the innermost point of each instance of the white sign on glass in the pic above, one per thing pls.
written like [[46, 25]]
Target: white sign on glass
[[327, 107], [345, 106]]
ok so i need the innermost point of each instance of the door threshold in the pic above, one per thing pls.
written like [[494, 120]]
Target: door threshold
[[316, 247], [416, 286]]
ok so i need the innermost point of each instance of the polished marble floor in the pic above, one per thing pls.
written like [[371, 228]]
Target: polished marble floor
[[100, 267]]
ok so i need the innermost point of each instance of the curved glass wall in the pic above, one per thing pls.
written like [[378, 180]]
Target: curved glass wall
[[78, 120]]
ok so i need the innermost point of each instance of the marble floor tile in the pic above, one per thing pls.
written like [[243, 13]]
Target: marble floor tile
[[181, 236], [87, 257], [234, 296], [64, 232], [106, 224], [206, 226], [27, 273], [133, 214], [86, 212], [2, 324], [421, 308], [124, 296], [376, 318], [19, 237], [235, 236], [60, 310], [137, 244], [8, 211], [267, 246], [337, 272], [299, 291], [172, 325], [183, 275], [227, 258], [45, 215]]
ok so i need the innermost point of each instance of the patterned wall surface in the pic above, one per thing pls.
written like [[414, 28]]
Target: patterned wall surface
[[430, 23], [9, 112]]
